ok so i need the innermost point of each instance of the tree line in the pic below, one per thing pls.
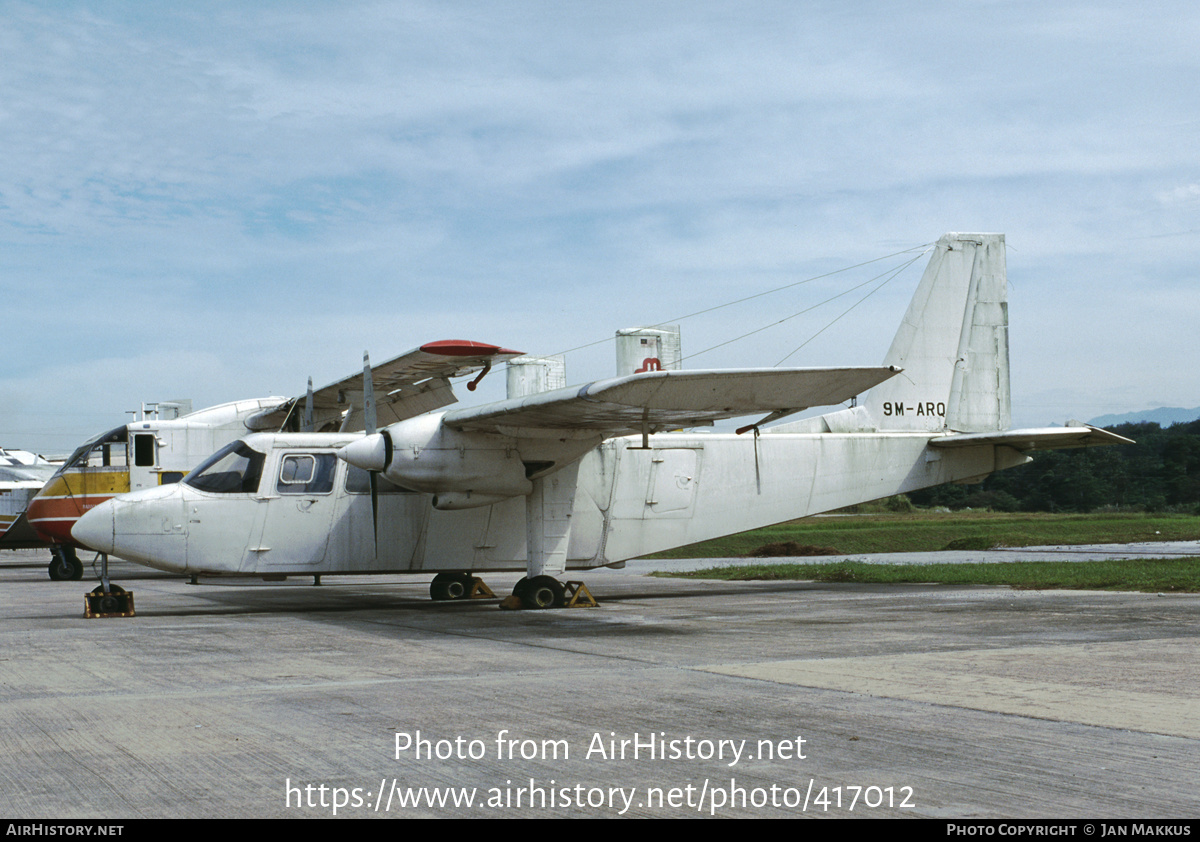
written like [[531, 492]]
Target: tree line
[[1160, 472]]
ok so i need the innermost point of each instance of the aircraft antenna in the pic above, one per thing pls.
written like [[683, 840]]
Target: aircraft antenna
[[887, 276], [922, 250]]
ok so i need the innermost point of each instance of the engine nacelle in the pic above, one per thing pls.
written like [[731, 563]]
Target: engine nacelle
[[463, 468], [426, 456], [449, 501]]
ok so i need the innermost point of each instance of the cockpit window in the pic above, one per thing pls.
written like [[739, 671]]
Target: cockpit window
[[234, 469], [106, 450], [306, 473]]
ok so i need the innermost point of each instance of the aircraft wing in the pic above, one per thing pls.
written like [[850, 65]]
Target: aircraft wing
[[405, 386], [667, 400], [1038, 438]]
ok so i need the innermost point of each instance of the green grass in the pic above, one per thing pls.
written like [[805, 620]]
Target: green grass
[[1147, 575], [929, 531]]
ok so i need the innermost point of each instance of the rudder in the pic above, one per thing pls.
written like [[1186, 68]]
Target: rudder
[[952, 344]]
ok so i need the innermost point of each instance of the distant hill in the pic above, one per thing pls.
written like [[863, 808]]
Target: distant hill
[[1158, 472], [1164, 416]]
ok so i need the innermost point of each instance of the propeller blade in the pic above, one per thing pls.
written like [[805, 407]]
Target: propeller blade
[[375, 508], [306, 424], [370, 419], [370, 424]]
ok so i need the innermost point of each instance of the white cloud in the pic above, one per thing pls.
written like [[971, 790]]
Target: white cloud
[[255, 185], [1182, 193]]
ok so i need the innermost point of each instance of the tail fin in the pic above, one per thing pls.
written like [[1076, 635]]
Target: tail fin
[[952, 344]]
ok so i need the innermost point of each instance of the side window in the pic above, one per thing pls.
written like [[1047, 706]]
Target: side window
[[112, 455], [143, 450], [306, 473]]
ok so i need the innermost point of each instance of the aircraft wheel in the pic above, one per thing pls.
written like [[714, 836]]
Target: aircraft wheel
[[541, 592], [65, 566], [450, 586], [116, 601], [519, 588]]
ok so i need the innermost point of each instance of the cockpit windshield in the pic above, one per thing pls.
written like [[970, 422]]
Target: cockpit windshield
[[234, 469], [105, 450]]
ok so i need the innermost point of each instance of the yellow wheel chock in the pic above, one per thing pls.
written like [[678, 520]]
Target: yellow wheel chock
[[479, 590], [115, 602], [578, 596]]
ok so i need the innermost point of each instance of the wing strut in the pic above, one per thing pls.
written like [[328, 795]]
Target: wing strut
[[645, 431]]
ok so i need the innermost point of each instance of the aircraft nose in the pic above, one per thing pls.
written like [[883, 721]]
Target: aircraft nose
[[52, 517], [95, 529], [368, 453]]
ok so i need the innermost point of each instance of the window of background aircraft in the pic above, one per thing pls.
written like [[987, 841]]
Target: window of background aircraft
[[143, 450], [113, 455], [108, 450]]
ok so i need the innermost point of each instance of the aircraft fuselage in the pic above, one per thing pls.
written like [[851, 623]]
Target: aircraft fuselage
[[311, 514]]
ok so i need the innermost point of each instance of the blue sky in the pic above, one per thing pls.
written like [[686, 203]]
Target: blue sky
[[218, 200]]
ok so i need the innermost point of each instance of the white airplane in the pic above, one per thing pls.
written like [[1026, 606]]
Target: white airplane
[[22, 474], [583, 477], [160, 447]]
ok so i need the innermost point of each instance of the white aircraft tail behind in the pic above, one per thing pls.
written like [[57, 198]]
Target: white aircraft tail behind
[[952, 345]]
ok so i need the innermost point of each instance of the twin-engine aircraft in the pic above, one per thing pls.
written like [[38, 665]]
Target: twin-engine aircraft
[[584, 477], [163, 444]]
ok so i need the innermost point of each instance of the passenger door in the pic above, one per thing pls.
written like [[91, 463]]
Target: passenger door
[[299, 512]]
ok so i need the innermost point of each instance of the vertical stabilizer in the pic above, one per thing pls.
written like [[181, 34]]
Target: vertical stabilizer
[[952, 344]]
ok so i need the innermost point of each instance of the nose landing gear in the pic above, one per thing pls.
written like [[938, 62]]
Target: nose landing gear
[[107, 600]]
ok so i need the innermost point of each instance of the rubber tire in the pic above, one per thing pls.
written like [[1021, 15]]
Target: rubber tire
[[65, 566], [112, 602], [542, 592], [450, 586]]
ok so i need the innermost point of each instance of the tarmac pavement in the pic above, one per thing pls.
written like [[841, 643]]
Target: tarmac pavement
[[673, 698]]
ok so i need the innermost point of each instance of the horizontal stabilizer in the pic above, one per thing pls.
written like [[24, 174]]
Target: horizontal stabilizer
[[663, 400], [1038, 438]]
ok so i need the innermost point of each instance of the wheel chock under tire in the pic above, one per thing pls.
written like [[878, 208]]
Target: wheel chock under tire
[[578, 596], [116, 602], [575, 595], [479, 590]]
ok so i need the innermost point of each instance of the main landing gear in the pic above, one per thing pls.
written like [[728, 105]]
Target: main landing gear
[[65, 565], [547, 592], [536, 593], [540, 592], [447, 586]]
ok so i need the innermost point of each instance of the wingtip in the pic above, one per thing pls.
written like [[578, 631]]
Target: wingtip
[[467, 348]]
